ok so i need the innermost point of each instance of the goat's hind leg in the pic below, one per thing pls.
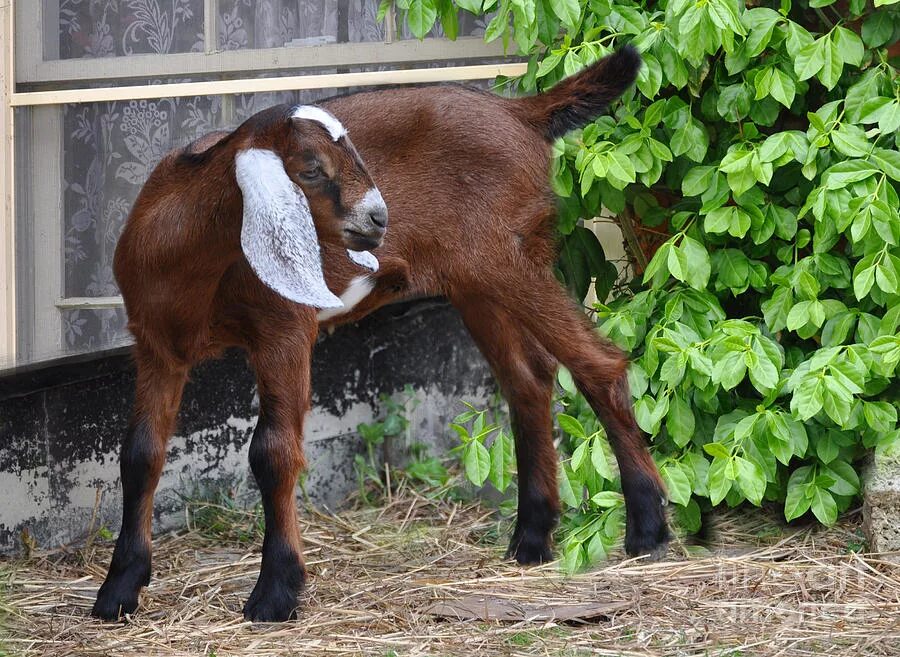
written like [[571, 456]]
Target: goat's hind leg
[[276, 458], [599, 370], [142, 456], [526, 374]]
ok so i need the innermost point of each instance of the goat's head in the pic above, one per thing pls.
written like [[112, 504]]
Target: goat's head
[[303, 182]]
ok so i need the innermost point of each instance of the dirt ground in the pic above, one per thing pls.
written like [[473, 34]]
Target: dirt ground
[[424, 577]]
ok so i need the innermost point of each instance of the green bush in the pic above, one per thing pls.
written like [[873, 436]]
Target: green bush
[[761, 142]]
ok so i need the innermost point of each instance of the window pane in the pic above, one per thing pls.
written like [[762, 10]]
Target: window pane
[[296, 23], [115, 28]]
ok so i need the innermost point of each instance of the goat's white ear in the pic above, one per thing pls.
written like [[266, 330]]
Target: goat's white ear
[[364, 259], [278, 236]]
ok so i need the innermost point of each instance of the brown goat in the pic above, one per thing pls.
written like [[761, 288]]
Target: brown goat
[[465, 175]]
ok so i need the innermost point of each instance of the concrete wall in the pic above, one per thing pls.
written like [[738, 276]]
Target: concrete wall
[[60, 427]]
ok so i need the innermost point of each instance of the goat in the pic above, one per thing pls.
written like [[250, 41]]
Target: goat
[[465, 174], [221, 249]]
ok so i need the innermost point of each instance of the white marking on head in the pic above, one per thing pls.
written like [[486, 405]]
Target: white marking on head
[[313, 113], [359, 289], [372, 198]]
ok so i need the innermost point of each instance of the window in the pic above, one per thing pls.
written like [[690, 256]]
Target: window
[[90, 121]]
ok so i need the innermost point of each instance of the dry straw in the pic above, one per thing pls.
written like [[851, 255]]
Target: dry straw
[[396, 580]]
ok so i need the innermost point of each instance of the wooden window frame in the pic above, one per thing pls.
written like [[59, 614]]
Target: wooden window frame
[[33, 77]]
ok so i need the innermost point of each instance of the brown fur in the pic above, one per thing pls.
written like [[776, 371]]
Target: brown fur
[[465, 177]]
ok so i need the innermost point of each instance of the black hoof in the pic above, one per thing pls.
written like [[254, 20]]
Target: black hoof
[[115, 599], [118, 595], [272, 604], [529, 547], [646, 529], [274, 598]]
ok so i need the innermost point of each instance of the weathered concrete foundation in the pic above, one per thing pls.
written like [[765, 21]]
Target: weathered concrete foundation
[[61, 426], [881, 504]]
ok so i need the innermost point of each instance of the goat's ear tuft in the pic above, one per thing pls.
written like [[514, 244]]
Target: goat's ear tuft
[[278, 235]]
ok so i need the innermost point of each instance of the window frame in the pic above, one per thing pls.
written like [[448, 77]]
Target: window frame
[[34, 78]]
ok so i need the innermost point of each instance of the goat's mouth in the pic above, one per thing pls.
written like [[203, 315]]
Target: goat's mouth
[[359, 241]]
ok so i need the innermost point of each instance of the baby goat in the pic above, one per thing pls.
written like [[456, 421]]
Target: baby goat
[[220, 250], [465, 174]]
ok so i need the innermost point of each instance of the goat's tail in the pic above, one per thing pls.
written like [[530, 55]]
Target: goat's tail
[[579, 99]]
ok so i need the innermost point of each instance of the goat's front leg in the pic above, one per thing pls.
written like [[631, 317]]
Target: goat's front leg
[[276, 458], [142, 457]]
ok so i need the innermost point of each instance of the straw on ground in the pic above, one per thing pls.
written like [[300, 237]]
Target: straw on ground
[[376, 575]]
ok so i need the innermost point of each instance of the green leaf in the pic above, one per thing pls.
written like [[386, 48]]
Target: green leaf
[[864, 276], [851, 141], [420, 17], [880, 416], [797, 501], [697, 180], [850, 171], [690, 140], [579, 455], [501, 461], [582, 260], [477, 462], [677, 483], [720, 479], [878, 28], [697, 265], [810, 59], [777, 309], [807, 398], [548, 64], [751, 479], [782, 87], [833, 64], [849, 45], [498, 25], [824, 507], [599, 459], [571, 425], [568, 11], [838, 328], [717, 450], [730, 370], [568, 484], [827, 449], [607, 499], [888, 161], [680, 421], [846, 481]]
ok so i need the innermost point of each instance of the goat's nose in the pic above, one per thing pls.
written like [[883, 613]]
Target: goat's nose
[[379, 217]]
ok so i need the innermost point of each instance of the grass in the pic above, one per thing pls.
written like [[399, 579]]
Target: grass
[[755, 587]]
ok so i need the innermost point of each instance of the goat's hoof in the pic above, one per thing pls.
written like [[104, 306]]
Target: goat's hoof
[[530, 547], [646, 529], [272, 605], [113, 602]]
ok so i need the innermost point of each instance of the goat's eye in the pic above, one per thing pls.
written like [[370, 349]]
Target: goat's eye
[[312, 173]]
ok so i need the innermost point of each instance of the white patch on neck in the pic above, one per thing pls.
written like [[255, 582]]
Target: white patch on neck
[[359, 289], [313, 113], [364, 259]]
